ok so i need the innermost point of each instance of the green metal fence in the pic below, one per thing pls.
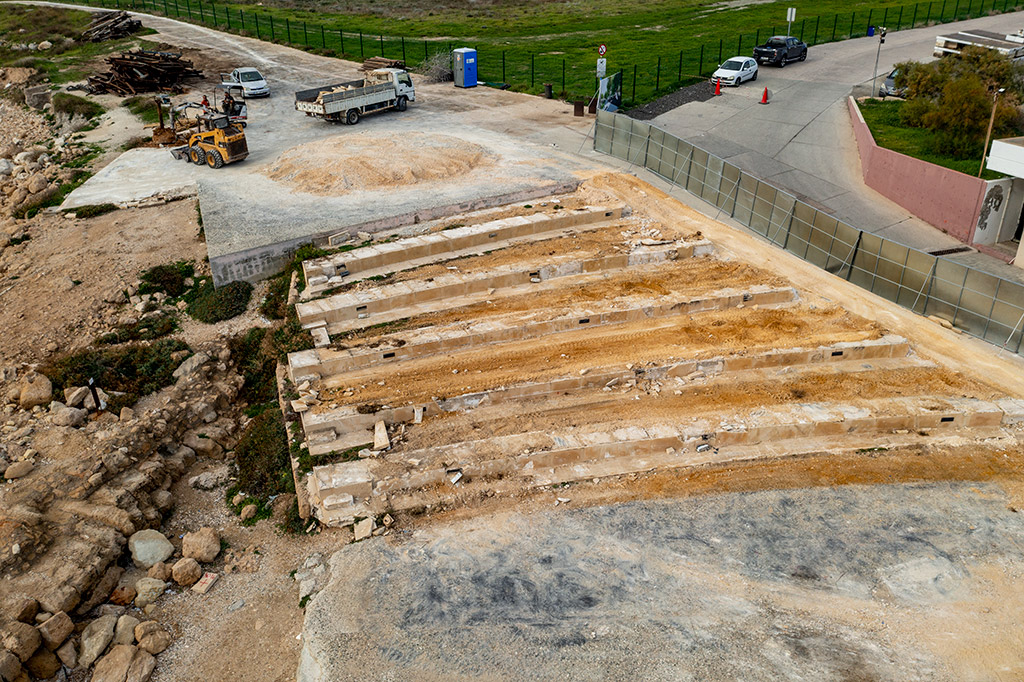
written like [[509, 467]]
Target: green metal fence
[[980, 303], [572, 77]]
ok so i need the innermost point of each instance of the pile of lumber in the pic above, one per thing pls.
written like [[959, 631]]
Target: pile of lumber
[[110, 25], [144, 71], [382, 63]]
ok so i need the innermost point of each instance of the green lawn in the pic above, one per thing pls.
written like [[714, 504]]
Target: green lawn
[[883, 119], [658, 44]]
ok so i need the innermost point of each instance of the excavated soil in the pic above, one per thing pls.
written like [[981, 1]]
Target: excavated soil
[[694, 277], [361, 162], [646, 341]]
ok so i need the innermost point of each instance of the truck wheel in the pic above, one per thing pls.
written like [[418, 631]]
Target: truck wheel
[[782, 62], [352, 117], [214, 159], [196, 155], [403, 103]]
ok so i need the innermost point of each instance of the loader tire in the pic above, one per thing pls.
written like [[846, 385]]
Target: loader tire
[[352, 117], [214, 159], [403, 103], [196, 155]]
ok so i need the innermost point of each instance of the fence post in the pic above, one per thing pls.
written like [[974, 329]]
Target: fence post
[[341, 36], [913, 22], [227, 17], [305, 34], [403, 49], [739, 44], [532, 77], [202, 15], [870, 12], [899, 20], [657, 77], [885, 17], [835, 22], [323, 37], [700, 64], [382, 45], [188, 8], [719, 51], [853, 17], [633, 101], [679, 78], [956, 10], [288, 30], [817, 25], [258, 36], [803, 23], [362, 54], [853, 256], [427, 56], [502, 66]]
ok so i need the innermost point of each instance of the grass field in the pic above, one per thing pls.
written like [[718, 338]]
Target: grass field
[[883, 118], [658, 44]]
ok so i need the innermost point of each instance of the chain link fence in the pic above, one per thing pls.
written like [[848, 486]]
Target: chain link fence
[[979, 303]]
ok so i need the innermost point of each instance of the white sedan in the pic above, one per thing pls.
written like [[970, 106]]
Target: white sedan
[[735, 71], [252, 81]]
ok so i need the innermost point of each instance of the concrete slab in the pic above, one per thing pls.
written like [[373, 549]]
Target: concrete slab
[[134, 177]]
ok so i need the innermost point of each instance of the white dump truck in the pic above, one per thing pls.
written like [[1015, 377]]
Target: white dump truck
[[382, 89]]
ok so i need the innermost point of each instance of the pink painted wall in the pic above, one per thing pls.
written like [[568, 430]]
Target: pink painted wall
[[942, 197]]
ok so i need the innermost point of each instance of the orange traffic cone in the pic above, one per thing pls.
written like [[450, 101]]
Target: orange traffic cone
[[718, 86], [764, 97]]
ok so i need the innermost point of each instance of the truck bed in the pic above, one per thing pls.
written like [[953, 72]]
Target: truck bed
[[311, 94]]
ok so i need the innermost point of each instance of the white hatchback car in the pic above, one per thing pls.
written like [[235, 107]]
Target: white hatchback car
[[252, 81], [736, 70]]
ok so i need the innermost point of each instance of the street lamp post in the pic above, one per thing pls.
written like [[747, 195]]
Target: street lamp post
[[878, 53], [991, 122]]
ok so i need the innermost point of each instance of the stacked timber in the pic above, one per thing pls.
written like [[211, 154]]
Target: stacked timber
[[111, 25], [144, 71], [382, 63]]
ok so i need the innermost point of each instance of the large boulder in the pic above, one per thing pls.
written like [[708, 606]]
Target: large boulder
[[10, 666], [149, 547], [149, 590], [202, 545], [43, 665], [95, 638], [114, 666], [21, 639], [141, 668], [124, 631], [69, 416], [36, 389], [18, 469], [36, 183]]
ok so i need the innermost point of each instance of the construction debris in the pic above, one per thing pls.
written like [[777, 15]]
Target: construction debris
[[144, 71], [381, 63], [111, 25]]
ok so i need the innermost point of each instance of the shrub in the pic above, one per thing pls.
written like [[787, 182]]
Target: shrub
[[73, 105], [92, 210], [275, 303], [256, 365], [169, 278], [134, 370], [264, 467], [143, 106], [211, 305], [143, 330]]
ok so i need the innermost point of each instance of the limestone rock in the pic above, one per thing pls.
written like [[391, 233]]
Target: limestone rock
[[95, 638], [123, 595], [10, 666], [43, 665], [18, 469], [202, 545], [24, 609], [203, 445], [56, 629], [159, 571], [363, 529], [70, 416], [141, 668], [148, 547], [21, 639], [152, 637], [36, 183], [36, 389], [124, 631], [162, 499], [114, 666], [248, 512], [187, 572], [68, 655], [208, 480], [149, 590], [189, 367], [73, 397]]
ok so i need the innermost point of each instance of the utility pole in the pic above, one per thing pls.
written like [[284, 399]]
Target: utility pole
[[988, 135], [874, 77]]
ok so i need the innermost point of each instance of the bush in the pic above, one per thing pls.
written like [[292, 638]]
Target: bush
[[134, 370], [264, 467], [211, 305], [73, 105], [169, 279], [257, 365], [275, 304], [143, 330], [143, 106]]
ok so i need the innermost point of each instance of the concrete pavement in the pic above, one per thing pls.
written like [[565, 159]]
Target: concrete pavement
[[803, 141]]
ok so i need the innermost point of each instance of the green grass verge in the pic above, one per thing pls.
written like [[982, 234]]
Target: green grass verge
[[261, 456], [143, 106], [883, 119], [73, 105], [92, 210], [658, 44]]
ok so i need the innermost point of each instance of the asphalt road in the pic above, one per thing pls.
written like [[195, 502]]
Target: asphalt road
[[803, 142]]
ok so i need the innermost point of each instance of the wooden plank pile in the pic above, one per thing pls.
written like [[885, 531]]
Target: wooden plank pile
[[382, 63], [111, 25], [144, 71]]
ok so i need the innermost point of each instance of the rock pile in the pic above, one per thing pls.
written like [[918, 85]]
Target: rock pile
[[27, 177]]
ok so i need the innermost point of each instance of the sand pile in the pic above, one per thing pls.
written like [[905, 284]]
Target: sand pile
[[352, 162]]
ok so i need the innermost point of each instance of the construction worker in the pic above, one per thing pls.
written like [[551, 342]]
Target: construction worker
[[205, 102], [229, 103]]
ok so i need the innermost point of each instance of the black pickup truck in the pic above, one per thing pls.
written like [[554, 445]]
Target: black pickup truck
[[780, 50]]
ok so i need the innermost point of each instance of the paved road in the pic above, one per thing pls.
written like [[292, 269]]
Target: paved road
[[803, 140]]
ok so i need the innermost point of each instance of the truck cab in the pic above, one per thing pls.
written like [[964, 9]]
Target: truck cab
[[401, 79]]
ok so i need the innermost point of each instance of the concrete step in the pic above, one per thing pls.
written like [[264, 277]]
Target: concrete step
[[403, 254], [345, 419], [327, 441], [324, 363], [386, 303]]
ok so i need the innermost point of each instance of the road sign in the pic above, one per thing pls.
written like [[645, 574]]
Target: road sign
[[602, 49], [602, 65], [791, 14]]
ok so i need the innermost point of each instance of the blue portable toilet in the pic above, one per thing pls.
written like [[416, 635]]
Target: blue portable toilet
[[465, 67]]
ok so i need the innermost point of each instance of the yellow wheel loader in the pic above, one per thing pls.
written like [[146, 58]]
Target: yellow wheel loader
[[216, 143]]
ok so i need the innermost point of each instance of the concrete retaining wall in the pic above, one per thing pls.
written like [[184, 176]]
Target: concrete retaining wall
[[942, 197]]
